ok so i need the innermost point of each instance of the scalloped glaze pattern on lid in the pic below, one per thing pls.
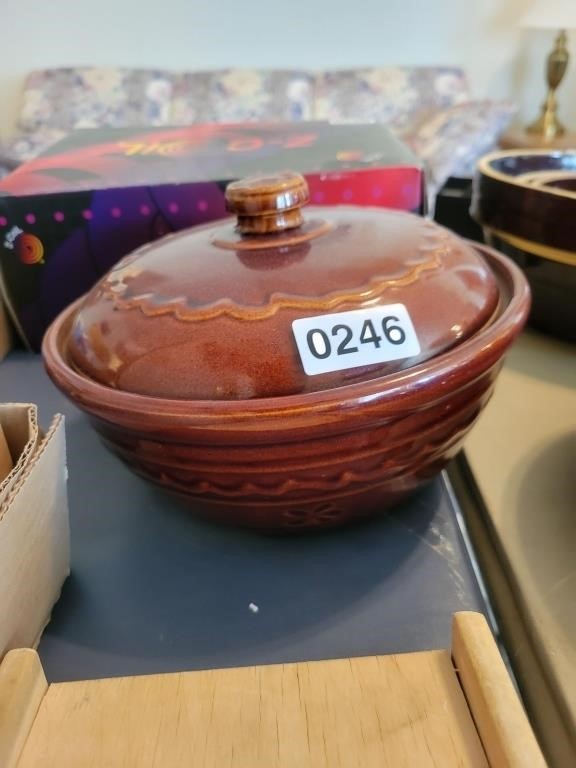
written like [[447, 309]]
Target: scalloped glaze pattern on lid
[[207, 314]]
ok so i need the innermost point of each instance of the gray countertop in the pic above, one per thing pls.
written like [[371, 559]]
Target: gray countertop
[[522, 457], [154, 589]]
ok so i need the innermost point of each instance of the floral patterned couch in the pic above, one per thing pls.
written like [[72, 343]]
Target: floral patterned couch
[[429, 108]]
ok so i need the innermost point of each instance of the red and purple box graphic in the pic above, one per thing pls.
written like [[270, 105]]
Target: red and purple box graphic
[[68, 216]]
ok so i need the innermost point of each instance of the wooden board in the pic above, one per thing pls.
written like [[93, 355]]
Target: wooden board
[[500, 719], [22, 688], [402, 710]]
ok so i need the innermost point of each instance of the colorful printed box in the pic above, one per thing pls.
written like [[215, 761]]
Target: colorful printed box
[[68, 216]]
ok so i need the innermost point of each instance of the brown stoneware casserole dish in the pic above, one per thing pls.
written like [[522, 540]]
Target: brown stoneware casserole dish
[[525, 201], [291, 371]]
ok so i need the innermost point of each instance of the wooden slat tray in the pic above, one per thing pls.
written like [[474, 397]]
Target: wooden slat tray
[[435, 708]]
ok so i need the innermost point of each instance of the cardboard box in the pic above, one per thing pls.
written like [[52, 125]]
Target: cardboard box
[[67, 217], [34, 525]]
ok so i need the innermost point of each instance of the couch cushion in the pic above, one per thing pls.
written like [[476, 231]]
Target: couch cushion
[[88, 97], [238, 95], [450, 141], [27, 145], [398, 96]]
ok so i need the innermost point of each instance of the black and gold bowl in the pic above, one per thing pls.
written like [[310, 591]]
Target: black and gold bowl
[[525, 202]]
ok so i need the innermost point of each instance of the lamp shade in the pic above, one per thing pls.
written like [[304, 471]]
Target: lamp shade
[[550, 14]]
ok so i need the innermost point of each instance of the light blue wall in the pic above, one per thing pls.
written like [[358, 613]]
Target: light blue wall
[[480, 35]]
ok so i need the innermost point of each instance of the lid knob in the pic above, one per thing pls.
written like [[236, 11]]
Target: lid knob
[[266, 204]]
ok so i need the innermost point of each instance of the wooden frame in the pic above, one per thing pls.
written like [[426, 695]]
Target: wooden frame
[[434, 708]]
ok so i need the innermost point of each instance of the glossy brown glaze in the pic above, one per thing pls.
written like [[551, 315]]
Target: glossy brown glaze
[[526, 203], [208, 313], [308, 460], [553, 289], [507, 196], [265, 204]]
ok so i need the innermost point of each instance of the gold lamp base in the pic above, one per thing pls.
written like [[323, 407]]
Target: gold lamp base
[[548, 126]]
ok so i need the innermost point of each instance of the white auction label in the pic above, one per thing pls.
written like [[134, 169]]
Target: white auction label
[[350, 339]]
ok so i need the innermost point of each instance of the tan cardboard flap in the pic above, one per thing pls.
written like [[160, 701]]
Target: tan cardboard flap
[[6, 463], [19, 424], [34, 531]]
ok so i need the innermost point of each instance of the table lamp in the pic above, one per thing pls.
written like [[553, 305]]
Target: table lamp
[[559, 15]]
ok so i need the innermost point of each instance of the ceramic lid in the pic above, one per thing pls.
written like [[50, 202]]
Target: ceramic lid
[[283, 301]]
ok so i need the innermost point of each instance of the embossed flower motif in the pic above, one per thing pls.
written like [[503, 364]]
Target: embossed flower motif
[[306, 518], [158, 94], [392, 82], [449, 86], [36, 106], [102, 79], [242, 82]]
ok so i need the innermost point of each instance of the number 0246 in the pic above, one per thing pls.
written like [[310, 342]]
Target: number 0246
[[352, 339]]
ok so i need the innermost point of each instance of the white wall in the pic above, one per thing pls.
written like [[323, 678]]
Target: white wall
[[480, 35]]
